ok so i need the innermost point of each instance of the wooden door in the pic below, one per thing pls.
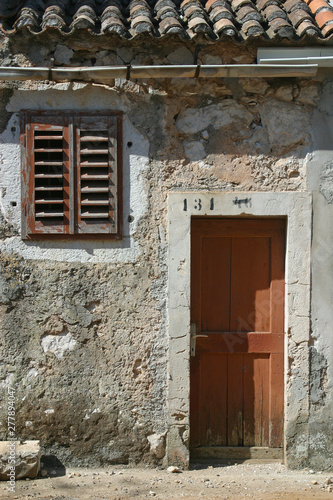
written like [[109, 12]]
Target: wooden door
[[237, 310]]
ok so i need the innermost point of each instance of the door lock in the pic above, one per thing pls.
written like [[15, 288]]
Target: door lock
[[194, 337]]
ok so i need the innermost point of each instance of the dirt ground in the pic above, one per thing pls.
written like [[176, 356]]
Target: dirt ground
[[244, 481]]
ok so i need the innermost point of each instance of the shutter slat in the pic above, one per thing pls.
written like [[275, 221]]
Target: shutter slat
[[95, 164], [95, 202], [97, 177], [48, 137], [48, 176], [49, 214], [49, 163], [48, 202], [90, 138], [94, 151], [48, 150], [93, 215], [95, 190], [44, 188]]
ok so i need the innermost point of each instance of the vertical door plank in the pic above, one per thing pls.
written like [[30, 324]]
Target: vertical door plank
[[213, 400], [277, 281], [196, 251], [248, 418], [261, 400], [215, 284], [235, 399], [276, 400], [250, 284], [194, 401], [195, 318]]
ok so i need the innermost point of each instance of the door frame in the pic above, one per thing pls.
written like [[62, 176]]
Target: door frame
[[296, 207]]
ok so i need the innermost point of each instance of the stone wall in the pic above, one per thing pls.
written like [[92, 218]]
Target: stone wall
[[84, 324]]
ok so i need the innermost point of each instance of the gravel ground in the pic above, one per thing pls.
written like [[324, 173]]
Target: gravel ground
[[243, 481]]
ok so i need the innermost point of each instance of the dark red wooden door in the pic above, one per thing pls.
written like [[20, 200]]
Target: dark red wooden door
[[237, 307]]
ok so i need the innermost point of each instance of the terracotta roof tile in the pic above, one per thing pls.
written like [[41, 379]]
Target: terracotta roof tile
[[166, 11], [167, 14], [54, 17], [212, 4], [225, 27], [273, 12], [298, 16], [318, 5], [252, 28], [112, 24], [323, 17], [141, 18], [307, 28], [27, 18], [84, 17], [194, 11], [327, 30], [282, 27], [112, 10], [171, 25], [220, 13], [262, 4], [248, 13], [242, 19], [238, 4], [186, 3], [199, 25], [292, 5]]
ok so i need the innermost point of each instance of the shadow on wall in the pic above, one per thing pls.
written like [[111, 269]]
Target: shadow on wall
[[53, 466]]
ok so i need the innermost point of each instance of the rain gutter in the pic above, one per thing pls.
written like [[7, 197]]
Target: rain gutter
[[103, 74], [321, 62], [321, 56]]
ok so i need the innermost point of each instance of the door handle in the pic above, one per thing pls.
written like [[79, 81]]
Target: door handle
[[194, 336]]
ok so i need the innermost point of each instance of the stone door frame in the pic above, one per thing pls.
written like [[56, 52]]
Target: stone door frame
[[297, 208]]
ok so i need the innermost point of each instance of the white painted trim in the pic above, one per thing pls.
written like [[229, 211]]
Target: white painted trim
[[296, 207]]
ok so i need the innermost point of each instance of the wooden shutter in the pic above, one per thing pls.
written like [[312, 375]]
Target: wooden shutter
[[97, 174], [71, 176], [46, 181]]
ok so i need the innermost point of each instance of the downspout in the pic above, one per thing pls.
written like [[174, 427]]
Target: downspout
[[102, 74]]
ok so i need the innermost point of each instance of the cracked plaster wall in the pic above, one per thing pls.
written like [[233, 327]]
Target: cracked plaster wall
[[320, 183], [84, 329]]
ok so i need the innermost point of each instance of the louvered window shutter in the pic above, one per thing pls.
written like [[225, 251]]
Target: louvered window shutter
[[97, 196], [71, 174], [47, 166]]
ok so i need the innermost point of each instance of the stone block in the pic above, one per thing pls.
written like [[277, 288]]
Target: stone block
[[194, 150], [157, 444], [63, 54], [225, 114], [279, 119], [26, 458]]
